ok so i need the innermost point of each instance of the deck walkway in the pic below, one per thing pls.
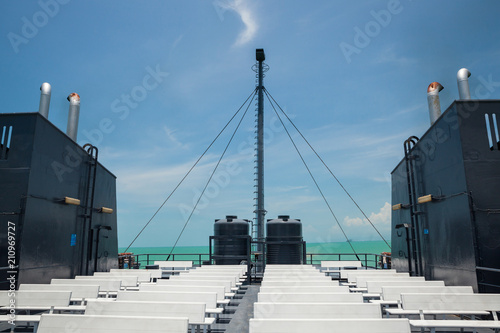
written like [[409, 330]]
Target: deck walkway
[[244, 311]]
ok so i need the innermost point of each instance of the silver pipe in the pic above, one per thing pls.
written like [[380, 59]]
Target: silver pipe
[[73, 116], [45, 91], [433, 100], [463, 83]]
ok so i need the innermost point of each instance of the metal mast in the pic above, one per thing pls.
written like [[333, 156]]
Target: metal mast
[[260, 212]]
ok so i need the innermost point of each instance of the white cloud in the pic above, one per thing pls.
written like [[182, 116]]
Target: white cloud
[[242, 8], [383, 217], [173, 138]]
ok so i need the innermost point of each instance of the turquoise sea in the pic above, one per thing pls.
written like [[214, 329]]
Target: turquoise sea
[[198, 254]]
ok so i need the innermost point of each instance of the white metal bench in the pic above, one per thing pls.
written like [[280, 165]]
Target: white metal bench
[[310, 298], [393, 293], [376, 286], [316, 310], [170, 268], [79, 293], [296, 278], [335, 266], [35, 299], [298, 283], [142, 275], [329, 325], [225, 284], [220, 290], [449, 304], [361, 280], [107, 287], [31, 300], [344, 273], [304, 289], [127, 281], [195, 312], [352, 276], [104, 324], [202, 277], [209, 298], [340, 264]]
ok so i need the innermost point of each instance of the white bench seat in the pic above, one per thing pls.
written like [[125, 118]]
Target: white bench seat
[[79, 293], [446, 304], [454, 324], [310, 298], [298, 283], [107, 287], [304, 289], [127, 281], [104, 324], [209, 298], [266, 325], [181, 282], [317, 310], [195, 312], [220, 290]]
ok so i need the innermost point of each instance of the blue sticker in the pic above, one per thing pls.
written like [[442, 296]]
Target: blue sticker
[[426, 231], [73, 240]]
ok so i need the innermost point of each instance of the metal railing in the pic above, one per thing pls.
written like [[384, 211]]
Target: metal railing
[[368, 260]]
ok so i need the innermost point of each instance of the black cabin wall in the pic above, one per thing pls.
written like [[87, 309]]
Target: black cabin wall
[[453, 162], [54, 167]]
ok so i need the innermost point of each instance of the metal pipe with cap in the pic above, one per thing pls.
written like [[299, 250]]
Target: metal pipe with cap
[[433, 100], [45, 90], [463, 83], [73, 116]]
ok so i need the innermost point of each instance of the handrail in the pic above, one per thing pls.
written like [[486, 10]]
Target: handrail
[[369, 260], [496, 270]]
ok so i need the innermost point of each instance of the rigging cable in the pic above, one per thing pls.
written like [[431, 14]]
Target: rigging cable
[[191, 169], [209, 180], [314, 179], [326, 166]]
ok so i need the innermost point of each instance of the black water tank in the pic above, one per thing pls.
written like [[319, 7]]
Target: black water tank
[[284, 237], [230, 246]]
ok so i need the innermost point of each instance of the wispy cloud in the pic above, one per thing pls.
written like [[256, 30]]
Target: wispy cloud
[[173, 138], [242, 8], [390, 56]]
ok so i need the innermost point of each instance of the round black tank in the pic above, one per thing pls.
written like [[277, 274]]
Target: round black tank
[[227, 245], [284, 241]]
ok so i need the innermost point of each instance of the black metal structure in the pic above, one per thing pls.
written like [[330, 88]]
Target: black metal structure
[[241, 259], [225, 248], [284, 241], [260, 212], [446, 190], [55, 236]]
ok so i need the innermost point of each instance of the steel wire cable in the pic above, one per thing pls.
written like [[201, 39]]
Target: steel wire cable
[[312, 176], [208, 182], [329, 170], [191, 169]]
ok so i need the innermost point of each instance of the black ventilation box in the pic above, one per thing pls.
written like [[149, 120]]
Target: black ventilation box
[[457, 231], [43, 235]]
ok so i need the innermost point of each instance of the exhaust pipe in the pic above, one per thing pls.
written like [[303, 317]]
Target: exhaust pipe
[[73, 116], [463, 83], [45, 90], [433, 100]]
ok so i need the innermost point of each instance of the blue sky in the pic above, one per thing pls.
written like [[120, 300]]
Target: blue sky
[[159, 79]]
